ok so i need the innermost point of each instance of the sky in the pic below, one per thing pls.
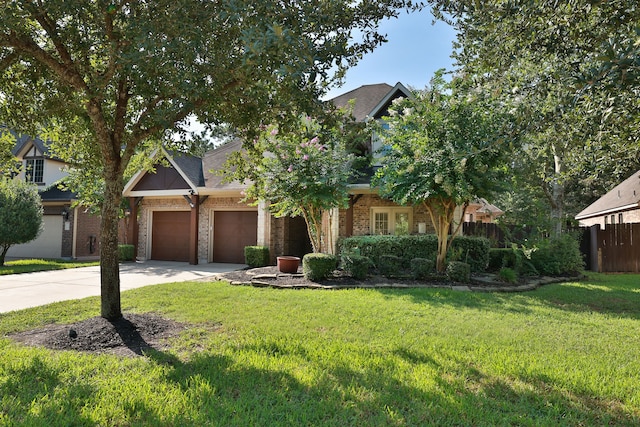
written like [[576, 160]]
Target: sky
[[414, 51]]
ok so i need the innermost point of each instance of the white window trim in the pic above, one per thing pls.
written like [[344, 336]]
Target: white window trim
[[392, 211]]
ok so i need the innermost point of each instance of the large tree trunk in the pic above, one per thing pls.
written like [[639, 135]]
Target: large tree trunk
[[109, 262]]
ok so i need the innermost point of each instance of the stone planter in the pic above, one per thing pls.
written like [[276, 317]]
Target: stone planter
[[288, 264]]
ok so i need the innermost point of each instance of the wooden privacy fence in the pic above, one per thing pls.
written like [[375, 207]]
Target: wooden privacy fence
[[615, 248], [612, 249]]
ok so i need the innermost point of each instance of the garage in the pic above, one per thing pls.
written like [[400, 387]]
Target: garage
[[47, 245], [232, 231], [170, 235]]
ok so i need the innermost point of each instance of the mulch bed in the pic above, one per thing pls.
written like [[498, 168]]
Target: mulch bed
[[131, 335]]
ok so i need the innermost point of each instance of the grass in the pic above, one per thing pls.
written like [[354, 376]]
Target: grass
[[31, 265], [566, 354]]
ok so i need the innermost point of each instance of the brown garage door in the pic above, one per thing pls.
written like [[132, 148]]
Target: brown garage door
[[232, 231], [170, 236]]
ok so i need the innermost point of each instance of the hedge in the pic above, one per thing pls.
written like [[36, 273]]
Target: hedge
[[472, 250]]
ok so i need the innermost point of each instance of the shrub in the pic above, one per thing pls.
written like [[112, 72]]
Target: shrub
[[390, 265], [459, 271], [318, 266], [256, 256], [505, 257], [472, 250], [357, 266], [508, 275], [126, 252], [421, 268], [558, 256]]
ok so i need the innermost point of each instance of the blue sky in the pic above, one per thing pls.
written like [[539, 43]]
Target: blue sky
[[414, 51]]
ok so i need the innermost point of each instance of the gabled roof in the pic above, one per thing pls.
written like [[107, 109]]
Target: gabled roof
[[215, 160], [371, 101], [624, 196], [23, 141]]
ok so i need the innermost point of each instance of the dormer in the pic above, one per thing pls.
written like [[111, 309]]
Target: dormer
[[38, 166], [372, 102]]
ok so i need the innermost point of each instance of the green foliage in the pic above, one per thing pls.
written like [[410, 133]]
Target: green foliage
[[390, 265], [459, 271], [572, 90], [126, 252], [445, 147], [422, 268], [318, 266], [473, 250], [20, 214], [305, 173], [406, 247], [357, 266], [558, 256], [505, 257], [256, 256], [508, 275]]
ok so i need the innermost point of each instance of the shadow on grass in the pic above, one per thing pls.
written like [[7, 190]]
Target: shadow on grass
[[35, 382], [433, 388], [603, 293], [451, 393]]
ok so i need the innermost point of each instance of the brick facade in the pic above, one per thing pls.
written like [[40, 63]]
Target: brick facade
[[362, 215]]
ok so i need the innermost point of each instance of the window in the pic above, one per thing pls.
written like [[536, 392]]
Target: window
[[620, 221], [606, 220], [613, 219], [396, 221], [34, 170]]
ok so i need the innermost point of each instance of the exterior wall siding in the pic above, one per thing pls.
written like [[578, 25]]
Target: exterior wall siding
[[628, 217]]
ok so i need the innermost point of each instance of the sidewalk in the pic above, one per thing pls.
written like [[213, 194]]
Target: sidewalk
[[19, 291]]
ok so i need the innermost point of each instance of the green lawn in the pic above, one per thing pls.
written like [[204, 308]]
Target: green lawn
[[31, 265], [566, 354]]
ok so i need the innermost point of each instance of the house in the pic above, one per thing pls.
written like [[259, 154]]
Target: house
[[621, 205], [480, 210], [68, 232], [185, 212]]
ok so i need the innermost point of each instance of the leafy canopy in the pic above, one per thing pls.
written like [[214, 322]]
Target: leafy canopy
[[107, 75], [303, 170], [444, 148], [20, 214]]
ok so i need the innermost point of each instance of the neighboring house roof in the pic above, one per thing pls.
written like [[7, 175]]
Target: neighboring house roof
[[623, 196], [482, 205], [371, 101], [22, 141]]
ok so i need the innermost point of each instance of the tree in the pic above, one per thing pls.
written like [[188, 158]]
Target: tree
[[443, 149], [105, 76], [570, 70], [303, 170], [20, 214]]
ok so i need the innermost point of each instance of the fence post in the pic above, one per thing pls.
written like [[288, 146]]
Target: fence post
[[595, 252]]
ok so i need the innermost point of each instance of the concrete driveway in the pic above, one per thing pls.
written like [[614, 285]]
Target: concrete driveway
[[19, 291]]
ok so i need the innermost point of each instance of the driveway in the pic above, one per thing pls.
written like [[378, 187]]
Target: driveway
[[19, 291]]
